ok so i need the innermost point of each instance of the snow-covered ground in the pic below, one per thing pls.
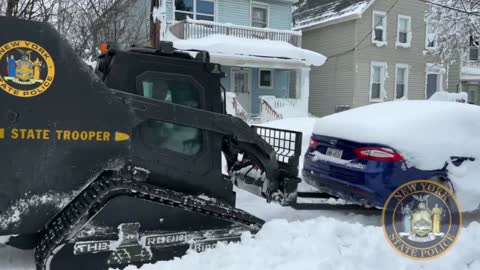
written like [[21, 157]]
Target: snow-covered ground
[[323, 243], [328, 239]]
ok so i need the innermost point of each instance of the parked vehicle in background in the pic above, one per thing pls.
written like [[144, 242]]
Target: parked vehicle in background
[[362, 155]]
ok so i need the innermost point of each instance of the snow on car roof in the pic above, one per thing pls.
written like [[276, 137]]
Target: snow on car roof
[[426, 133]]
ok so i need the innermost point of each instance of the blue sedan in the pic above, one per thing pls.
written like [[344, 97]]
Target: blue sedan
[[363, 173]]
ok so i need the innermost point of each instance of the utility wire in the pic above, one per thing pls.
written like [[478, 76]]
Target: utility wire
[[394, 4], [451, 8], [367, 35]]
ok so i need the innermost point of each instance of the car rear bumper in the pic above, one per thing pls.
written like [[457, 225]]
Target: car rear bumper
[[340, 189]]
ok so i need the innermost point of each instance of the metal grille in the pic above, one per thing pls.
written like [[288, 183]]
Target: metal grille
[[287, 143]]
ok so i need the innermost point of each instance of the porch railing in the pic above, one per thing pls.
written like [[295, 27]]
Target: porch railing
[[472, 64], [193, 29], [273, 108], [235, 108], [267, 111]]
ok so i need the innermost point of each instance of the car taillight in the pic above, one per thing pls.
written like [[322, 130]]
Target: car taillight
[[313, 143], [378, 154]]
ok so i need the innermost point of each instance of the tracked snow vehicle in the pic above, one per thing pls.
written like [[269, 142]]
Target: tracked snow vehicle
[[124, 167]]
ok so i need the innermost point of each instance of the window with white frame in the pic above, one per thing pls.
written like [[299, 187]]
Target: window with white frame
[[430, 42], [473, 54], [379, 27], [377, 81], [401, 81], [195, 9], [259, 15], [265, 78], [404, 31], [434, 79]]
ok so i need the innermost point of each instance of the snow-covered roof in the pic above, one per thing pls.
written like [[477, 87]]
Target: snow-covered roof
[[234, 49], [316, 13]]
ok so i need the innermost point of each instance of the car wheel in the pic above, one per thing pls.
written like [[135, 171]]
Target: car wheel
[[444, 181]]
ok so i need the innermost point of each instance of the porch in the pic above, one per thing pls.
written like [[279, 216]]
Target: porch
[[267, 73], [195, 29], [265, 94], [471, 65]]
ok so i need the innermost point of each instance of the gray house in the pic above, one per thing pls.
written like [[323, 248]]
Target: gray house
[[377, 50], [464, 75]]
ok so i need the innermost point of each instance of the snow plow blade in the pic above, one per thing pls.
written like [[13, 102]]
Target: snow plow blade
[[288, 148], [325, 201]]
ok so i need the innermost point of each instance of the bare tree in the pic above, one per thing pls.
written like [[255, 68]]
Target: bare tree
[[454, 28], [39, 10], [88, 23]]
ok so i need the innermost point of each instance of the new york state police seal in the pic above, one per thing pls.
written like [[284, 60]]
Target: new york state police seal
[[422, 219], [26, 69]]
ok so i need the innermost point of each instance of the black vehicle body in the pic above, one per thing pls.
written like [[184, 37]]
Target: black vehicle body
[[85, 179]]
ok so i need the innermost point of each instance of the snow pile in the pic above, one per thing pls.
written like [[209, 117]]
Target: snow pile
[[16, 259], [452, 97], [91, 63], [322, 243], [466, 180], [235, 46]]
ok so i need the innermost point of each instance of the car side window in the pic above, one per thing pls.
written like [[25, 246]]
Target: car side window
[[178, 89]]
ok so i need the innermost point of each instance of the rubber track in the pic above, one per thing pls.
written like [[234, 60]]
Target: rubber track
[[91, 200]]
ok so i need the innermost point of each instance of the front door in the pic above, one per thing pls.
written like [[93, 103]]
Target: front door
[[432, 84], [240, 85]]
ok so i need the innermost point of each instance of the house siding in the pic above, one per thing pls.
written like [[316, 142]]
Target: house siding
[[333, 83], [140, 24], [233, 11], [238, 12], [414, 56], [280, 87], [282, 14], [454, 82], [170, 10]]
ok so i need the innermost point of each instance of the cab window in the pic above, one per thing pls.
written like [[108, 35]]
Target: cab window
[[178, 89]]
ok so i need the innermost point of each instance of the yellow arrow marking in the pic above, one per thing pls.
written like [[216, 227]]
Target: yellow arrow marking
[[2, 133], [120, 137]]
